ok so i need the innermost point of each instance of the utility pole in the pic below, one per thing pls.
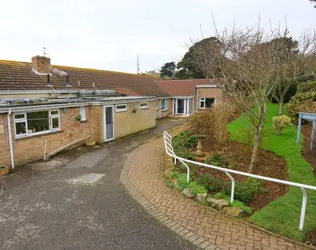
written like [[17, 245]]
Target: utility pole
[[138, 67]]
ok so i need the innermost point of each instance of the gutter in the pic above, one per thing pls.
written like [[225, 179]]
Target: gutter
[[76, 104], [10, 139]]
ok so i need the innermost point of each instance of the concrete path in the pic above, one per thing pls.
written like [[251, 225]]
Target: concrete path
[[77, 202], [201, 225]]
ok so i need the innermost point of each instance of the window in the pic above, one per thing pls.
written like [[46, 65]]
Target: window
[[32, 123], [121, 107], [144, 105], [164, 105], [83, 114], [207, 103]]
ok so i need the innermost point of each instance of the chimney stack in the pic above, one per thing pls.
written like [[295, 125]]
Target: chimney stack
[[41, 64]]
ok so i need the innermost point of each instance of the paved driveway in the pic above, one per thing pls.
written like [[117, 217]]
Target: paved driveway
[[48, 206]]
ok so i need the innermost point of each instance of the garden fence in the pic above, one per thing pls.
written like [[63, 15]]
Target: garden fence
[[170, 151]]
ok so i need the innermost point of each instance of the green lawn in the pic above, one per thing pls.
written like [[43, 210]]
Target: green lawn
[[282, 215]]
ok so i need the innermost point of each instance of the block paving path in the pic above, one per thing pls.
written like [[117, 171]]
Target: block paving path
[[206, 228]]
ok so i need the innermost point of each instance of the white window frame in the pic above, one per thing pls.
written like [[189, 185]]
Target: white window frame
[[83, 116], [202, 100], [157, 105], [166, 104], [143, 105], [117, 109], [24, 120]]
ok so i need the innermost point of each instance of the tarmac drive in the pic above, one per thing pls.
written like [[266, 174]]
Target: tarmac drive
[[78, 202]]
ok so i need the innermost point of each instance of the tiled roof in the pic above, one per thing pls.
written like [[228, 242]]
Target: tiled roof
[[181, 87], [126, 91], [19, 76]]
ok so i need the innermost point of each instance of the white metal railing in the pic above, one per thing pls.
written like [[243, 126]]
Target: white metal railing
[[169, 150]]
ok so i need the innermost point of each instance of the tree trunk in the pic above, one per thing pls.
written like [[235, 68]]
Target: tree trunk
[[281, 106], [255, 149]]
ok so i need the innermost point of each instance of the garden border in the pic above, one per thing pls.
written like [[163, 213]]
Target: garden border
[[169, 163], [186, 234]]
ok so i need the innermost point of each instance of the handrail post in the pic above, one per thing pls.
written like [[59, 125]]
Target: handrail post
[[188, 170], [233, 187], [303, 210]]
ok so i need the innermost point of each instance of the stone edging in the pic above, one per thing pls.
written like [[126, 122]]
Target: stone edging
[[193, 238]]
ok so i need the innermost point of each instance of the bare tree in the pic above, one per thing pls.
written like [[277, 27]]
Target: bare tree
[[249, 70], [294, 59]]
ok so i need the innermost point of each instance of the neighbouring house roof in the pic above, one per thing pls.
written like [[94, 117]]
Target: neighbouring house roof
[[181, 87], [16, 75]]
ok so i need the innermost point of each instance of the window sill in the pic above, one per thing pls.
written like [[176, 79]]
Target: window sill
[[19, 138], [118, 111], [83, 121], [144, 108], [163, 110]]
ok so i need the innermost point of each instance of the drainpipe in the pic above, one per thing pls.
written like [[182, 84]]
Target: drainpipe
[[10, 139], [159, 108]]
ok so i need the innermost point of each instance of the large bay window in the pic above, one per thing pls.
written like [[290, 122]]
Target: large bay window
[[207, 103], [32, 123]]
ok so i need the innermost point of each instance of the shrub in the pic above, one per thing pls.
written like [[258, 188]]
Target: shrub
[[210, 183], [242, 206], [184, 153], [280, 122], [182, 143], [196, 188], [169, 184], [182, 181], [221, 195], [213, 123], [303, 101], [247, 189], [220, 161]]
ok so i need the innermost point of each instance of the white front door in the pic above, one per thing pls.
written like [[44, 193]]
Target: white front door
[[108, 123]]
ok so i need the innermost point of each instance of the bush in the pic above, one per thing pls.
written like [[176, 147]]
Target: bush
[[280, 122], [182, 181], [303, 101], [221, 195], [210, 183], [213, 123], [242, 206], [182, 143], [220, 161], [169, 184], [196, 188], [247, 189]]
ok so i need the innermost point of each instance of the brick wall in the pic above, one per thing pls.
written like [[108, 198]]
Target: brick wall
[[169, 111], [127, 122], [30, 149]]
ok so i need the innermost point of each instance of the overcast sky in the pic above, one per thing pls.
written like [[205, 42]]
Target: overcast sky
[[108, 34]]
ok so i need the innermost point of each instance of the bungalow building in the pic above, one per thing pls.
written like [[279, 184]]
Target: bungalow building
[[44, 107], [190, 96]]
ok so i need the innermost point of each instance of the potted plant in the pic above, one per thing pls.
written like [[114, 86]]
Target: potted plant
[[78, 117]]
